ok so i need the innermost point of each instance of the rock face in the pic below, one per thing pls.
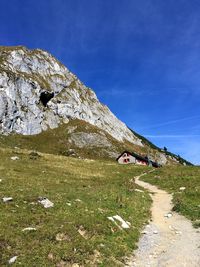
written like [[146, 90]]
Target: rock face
[[82, 139], [37, 92]]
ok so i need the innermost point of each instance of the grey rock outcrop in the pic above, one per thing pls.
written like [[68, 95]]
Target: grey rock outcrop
[[82, 139], [37, 92]]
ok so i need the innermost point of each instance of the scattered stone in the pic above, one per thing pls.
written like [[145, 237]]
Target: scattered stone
[[34, 155], [178, 232], [155, 232], [101, 210], [78, 200], [45, 202], [124, 224], [69, 153], [50, 256], [171, 227], [89, 160], [12, 260], [144, 232], [168, 215], [83, 232], [7, 199], [0, 180], [138, 190], [182, 188], [14, 158], [69, 203], [62, 237], [29, 229], [32, 203], [61, 264], [94, 259]]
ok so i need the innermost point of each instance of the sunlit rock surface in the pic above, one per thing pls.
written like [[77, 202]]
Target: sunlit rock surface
[[37, 92]]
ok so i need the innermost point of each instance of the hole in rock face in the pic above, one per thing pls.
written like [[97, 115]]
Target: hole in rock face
[[45, 97]]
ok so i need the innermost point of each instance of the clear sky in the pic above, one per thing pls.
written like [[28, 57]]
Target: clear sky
[[141, 57]]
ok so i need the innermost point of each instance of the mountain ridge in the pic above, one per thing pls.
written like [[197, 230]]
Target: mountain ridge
[[38, 93]]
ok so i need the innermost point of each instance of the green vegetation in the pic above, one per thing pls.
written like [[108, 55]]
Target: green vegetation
[[172, 179], [165, 151], [145, 141], [56, 141], [84, 193], [179, 158]]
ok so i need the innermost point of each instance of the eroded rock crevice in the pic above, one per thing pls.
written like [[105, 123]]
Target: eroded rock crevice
[[45, 97]]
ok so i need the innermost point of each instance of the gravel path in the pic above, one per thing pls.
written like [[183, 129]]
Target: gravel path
[[167, 241]]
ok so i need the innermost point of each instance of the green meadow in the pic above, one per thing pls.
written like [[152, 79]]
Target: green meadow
[[76, 229]]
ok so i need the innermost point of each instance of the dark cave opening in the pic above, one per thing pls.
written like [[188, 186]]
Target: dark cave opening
[[45, 97]]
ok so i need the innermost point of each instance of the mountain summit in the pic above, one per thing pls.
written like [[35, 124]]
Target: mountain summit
[[38, 93]]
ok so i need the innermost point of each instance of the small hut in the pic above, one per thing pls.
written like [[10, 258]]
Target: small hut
[[130, 157]]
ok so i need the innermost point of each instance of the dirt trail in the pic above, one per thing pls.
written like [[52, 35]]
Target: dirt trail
[[166, 241]]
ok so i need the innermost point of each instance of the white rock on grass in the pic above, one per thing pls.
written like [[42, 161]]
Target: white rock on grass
[[62, 237], [118, 219], [12, 260], [14, 158], [7, 199], [83, 232], [138, 190], [27, 229], [45, 202], [78, 200], [182, 188]]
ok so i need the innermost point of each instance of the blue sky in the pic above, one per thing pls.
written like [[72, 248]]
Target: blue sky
[[141, 57]]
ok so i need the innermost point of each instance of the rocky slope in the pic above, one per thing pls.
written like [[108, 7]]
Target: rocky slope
[[38, 93]]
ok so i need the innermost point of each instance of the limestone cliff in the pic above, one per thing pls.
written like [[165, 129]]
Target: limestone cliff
[[38, 92]]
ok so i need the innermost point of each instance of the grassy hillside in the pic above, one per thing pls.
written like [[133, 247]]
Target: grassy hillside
[[83, 140], [172, 179], [60, 141], [148, 143], [76, 229]]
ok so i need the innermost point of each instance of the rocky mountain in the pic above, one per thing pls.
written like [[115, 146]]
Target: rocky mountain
[[38, 93]]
